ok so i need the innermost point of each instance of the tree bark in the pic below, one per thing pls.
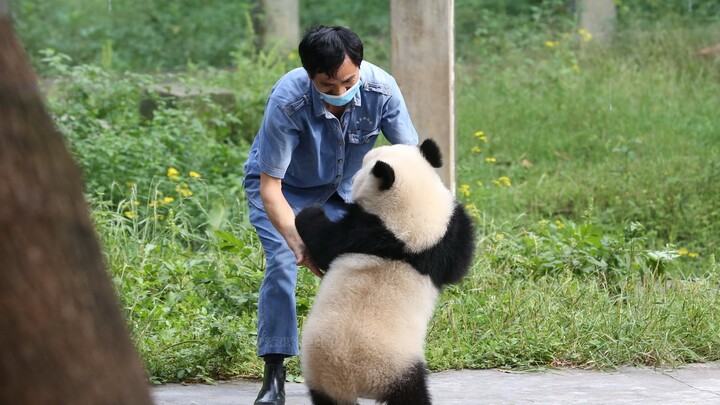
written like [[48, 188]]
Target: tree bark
[[62, 336]]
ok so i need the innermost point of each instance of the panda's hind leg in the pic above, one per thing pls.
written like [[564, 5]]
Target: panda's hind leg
[[319, 398], [411, 389]]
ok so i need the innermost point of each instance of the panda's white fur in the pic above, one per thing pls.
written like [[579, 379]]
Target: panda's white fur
[[417, 209], [365, 333], [366, 327]]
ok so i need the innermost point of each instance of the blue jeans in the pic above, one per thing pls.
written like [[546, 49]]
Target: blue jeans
[[277, 316]]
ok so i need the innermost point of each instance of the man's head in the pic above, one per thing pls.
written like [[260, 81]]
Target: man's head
[[324, 49]]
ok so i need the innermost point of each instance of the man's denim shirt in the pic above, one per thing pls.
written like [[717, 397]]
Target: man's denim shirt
[[313, 152]]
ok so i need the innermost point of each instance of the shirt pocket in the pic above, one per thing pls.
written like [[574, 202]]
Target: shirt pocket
[[360, 143], [363, 137]]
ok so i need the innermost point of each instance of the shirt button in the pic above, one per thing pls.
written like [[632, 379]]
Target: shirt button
[[340, 160]]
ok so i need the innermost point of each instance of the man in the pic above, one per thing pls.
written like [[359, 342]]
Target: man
[[320, 121]]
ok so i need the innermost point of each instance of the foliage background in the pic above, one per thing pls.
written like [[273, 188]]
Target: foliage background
[[157, 35], [591, 170]]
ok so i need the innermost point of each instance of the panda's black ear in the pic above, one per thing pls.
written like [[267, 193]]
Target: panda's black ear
[[431, 151], [385, 173]]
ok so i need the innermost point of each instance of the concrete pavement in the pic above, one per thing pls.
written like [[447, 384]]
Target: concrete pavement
[[692, 384]]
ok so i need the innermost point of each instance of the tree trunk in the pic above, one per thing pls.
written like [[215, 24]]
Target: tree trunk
[[62, 337], [280, 23], [597, 17]]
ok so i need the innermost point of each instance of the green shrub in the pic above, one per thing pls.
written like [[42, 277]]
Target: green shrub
[[142, 35], [188, 291], [99, 113]]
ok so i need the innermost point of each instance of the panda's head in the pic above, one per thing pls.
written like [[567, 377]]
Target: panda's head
[[399, 184]]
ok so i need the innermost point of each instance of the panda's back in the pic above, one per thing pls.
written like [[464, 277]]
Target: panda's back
[[367, 325]]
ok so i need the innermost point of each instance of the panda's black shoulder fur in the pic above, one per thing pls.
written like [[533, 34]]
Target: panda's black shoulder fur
[[361, 232], [448, 261]]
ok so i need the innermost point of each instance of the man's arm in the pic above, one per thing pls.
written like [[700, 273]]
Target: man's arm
[[396, 124], [283, 219]]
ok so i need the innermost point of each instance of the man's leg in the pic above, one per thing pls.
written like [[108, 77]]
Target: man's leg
[[277, 318]]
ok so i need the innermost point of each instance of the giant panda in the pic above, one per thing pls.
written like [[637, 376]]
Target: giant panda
[[402, 239]]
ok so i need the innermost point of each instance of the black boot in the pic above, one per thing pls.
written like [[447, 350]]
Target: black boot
[[273, 389]]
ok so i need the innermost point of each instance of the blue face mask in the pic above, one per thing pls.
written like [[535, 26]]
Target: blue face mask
[[342, 99]]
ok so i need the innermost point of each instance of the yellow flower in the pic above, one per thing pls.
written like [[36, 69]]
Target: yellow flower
[[552, 44], [505, 180], [184, 191], [497, 183], [490, 160], [475, 149], [159, 217], [585, 34], [559, 224], [173, 173], [194, 174], [543, 223], [480, 135], [692, 254], [464, 189], [479, 183], [576, 68], [683, 252], [129, 214], [499, 236], [130, 184], [167, 200]]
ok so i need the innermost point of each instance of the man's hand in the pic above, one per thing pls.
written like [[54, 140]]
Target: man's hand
[[301, 254], [283, 219]]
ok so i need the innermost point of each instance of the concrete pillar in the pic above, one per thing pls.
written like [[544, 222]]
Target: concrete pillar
[[280, 23], [597, 17], [422, 63]]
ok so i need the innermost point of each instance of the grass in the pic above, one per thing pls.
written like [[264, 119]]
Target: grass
[[497, 320], [631, 133], [621, 139], [593, 184]]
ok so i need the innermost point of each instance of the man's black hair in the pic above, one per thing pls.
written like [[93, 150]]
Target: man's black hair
[[323, 49]]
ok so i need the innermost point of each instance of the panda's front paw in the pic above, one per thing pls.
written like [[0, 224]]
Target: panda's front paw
[[310, 217]]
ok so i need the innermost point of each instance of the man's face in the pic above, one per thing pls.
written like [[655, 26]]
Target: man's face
[[347, 75]]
